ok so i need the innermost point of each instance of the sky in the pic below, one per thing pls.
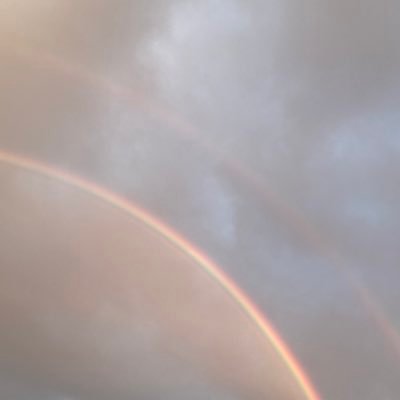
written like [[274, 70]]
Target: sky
[[265, 132]]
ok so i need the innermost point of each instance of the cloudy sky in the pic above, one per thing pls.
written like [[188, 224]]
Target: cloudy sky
[[264, 131]]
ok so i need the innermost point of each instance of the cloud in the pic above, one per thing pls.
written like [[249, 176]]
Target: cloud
[[166, 101]]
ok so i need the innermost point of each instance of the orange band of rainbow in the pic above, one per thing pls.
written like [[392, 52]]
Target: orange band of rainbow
[[182, 244]]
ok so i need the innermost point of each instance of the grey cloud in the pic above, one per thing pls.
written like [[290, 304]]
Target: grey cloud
[[166, 100]]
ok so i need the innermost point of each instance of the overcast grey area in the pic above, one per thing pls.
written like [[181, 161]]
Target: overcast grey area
[[265, 132]]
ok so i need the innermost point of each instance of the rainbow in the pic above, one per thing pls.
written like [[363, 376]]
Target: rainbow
[[183, 245], [320, 241]]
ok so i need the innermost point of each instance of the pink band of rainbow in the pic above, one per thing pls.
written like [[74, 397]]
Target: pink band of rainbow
[[182, 244]]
